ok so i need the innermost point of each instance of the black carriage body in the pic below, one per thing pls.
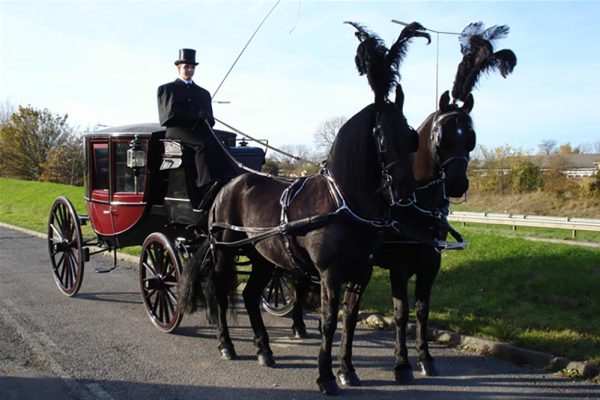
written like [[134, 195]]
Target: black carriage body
[[124, 208]]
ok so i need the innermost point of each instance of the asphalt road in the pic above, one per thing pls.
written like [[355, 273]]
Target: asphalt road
[[100, 345]]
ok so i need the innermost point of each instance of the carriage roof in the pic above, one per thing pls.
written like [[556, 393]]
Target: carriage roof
[[150, 129]]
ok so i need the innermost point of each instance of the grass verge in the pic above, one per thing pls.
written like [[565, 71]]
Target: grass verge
[[535, 295]]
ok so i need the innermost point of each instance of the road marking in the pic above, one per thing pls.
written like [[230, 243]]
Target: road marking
[[44, 347]]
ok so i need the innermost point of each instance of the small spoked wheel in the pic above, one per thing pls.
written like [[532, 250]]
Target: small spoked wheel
[[160, 271], [64, 246], [279, 295]]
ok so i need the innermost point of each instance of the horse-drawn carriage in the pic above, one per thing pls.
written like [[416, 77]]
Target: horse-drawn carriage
[[382, 180], [136, 194]]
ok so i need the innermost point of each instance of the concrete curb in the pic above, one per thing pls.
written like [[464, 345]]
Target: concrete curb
[[486, 347], [503, 351]]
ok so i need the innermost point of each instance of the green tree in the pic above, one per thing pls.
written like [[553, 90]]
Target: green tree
[[494, 166], [566, 148], [524, 176], [28, 139], [271, 166], [65, 163]]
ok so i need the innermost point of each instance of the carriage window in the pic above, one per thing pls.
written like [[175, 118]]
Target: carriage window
[[100, 166], [124, 178]]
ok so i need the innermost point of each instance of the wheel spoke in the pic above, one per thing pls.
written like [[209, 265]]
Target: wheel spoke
[[172, 297], [151, 256], [149, 268], [156, 301], [74, 267], [66, 275], [61, 269], [149, 294], [59, 262], [58, 234], [270, 292]]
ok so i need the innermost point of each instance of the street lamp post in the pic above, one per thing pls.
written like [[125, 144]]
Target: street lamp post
[[437, 53]]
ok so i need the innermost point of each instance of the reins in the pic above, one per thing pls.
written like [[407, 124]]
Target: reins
[[286, 227]]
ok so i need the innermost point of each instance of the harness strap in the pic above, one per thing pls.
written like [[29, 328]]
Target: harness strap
[[288, 195]]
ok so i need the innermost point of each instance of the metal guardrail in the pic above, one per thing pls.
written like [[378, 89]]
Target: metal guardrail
[[515, 220]]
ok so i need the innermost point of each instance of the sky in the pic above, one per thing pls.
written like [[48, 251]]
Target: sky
[[100, 62]]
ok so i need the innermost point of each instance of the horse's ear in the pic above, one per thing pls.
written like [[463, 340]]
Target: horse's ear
[[468, 103], [444, 103], [399, 97]]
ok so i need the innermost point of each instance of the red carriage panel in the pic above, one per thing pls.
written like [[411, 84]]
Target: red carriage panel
[[116, 199]]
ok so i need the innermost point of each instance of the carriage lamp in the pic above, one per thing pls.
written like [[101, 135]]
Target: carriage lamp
[[136, 159]]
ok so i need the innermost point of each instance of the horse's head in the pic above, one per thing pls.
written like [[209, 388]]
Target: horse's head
[[452, 139], [371, 157]]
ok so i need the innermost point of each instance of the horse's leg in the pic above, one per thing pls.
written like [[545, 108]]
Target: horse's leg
[[300, 291], [425, 277], [330, 296], [399, 281], [354, 291], [262, 272], [223, 276]]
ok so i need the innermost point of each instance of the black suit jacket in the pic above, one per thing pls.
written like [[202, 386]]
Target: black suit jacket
[[182, 109]]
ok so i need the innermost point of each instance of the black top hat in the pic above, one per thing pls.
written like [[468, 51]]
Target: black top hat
[[186, 56]]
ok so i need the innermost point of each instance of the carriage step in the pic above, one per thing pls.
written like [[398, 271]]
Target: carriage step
[[104, 270]]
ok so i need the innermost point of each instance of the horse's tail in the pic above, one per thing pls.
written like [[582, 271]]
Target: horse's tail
[[196, 289]]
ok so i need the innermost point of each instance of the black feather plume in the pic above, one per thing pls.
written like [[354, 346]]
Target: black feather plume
[[380, 64], [398, 50], [477, 47]]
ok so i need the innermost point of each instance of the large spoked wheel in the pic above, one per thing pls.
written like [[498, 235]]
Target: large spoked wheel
[[64, 246], [160, 271], [279, 295]]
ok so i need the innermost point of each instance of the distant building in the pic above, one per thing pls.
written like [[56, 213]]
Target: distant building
[[572, 165]]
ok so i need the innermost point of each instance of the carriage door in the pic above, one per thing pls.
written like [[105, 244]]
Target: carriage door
[[99, 181], [116, 197], [127, 200]]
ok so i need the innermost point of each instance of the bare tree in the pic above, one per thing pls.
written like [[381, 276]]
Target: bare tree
[[6, 110], [326, 132], [547, 147], [590, 147]]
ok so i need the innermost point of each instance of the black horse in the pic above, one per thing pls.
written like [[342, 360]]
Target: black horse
[[446, 138], [328, 224], [414, 246]]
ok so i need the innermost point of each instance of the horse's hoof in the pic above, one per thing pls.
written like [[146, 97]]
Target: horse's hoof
[[349, 379], [428, 368], [329, 388], [228, 353], [266, 360], [404, 376], [300, 332]]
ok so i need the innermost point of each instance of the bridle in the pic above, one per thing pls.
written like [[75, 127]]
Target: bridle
[[435, 147], [386, 176]]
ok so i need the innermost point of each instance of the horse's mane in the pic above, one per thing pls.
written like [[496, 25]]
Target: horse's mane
[[382, 66], [352, 145], [479, 57], [424, 160]]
